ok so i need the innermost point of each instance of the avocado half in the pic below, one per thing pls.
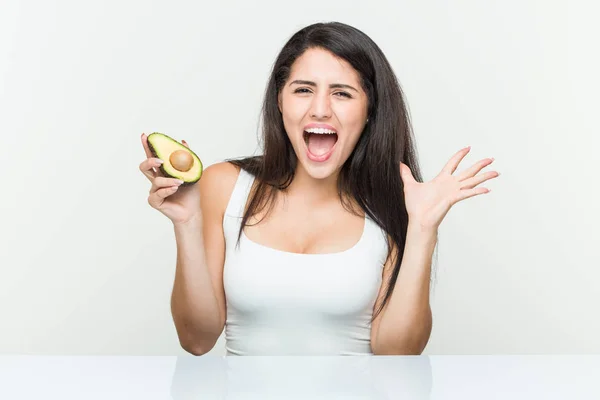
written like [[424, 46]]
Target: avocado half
[[162, 146]]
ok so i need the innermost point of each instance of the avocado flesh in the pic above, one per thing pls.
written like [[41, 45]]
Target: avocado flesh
[[162, 146]]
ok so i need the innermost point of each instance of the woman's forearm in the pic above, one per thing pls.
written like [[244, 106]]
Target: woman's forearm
[[193, 303], [406, 321]]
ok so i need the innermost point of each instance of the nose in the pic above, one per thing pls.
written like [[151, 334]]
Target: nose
[[320, 107]]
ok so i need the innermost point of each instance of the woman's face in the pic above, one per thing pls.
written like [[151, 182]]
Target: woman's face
[[324, 110]]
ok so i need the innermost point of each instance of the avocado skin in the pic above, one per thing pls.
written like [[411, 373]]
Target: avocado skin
[[162, 168]]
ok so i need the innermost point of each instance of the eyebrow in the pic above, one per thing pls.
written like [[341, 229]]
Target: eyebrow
[[332, 86]]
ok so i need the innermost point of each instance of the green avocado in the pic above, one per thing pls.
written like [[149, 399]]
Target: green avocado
[[179, 161]]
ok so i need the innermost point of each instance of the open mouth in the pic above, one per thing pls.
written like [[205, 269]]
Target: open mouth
[[320, 143]]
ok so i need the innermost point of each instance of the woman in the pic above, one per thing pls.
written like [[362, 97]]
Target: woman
[[323, 244]]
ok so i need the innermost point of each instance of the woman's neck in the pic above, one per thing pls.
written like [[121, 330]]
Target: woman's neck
[[313, 191]]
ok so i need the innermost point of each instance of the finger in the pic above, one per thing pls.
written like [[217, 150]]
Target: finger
[[478, 179], [185, 144], [406, 173], [161, 182], [149, 153], [473, 170], [468, 193], [146, 146], [157, 198], [451, 165], [147, 167]]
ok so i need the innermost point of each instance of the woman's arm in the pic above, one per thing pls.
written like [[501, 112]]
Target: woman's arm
[[198, 299], [404, 325]]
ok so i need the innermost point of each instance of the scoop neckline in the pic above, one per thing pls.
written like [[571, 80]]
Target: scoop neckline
[[312, 255]]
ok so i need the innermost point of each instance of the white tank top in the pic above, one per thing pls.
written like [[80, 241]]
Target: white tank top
[[284, 303]]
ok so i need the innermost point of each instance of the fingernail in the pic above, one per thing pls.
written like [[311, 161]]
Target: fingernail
[[159, 161], [179, 182]]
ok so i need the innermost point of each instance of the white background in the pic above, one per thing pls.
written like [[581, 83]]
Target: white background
[[86, 266]]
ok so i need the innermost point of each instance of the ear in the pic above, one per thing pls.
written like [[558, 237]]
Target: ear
[[279, 101]]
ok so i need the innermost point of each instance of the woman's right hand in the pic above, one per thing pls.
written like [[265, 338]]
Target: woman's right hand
[[179, 203]]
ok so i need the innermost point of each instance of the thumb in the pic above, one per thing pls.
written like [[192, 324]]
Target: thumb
[[185, 143], [406, 174]]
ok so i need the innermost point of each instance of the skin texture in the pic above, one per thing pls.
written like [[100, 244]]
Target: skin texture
[[343, 108]]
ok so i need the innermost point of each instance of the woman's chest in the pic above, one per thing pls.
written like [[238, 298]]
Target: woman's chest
[[307, 231]]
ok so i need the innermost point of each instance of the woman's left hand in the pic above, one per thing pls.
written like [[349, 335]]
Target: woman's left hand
[[428, 203]]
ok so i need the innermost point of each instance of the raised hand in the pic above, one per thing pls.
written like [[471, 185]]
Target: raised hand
[[428, 203]]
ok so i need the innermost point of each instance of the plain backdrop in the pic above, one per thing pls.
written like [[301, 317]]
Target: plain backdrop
[[87, 267]]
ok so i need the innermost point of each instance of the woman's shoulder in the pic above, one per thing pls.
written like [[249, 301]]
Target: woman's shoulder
[[221, 171], [217, 184]]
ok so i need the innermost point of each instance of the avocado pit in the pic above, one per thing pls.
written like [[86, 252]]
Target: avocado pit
[[181, 160]]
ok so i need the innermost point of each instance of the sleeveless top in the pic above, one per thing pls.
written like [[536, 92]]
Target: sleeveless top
[[285, 303]]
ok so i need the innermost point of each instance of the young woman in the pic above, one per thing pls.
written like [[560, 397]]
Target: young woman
[[323, 244]]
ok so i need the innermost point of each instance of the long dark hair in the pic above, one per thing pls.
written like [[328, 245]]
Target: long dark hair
[[371, 175]]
